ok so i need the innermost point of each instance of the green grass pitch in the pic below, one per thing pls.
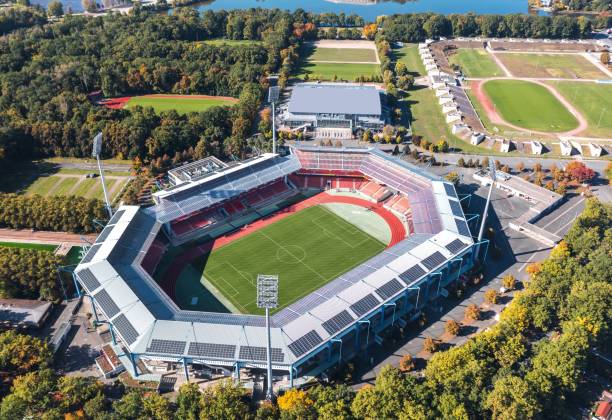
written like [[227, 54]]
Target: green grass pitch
[[23, 245], [529, 106], [475, 63], [306, 250], [342, 71], [343, 55], [181, 104]]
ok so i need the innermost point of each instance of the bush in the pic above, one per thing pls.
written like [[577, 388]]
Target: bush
[[491, 296], [406, 363], [452, 327], [461, 163], [452, 177], [472, 312], [430, 345], [509, 282]]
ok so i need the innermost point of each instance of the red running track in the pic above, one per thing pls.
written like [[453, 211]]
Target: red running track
[[168, 283]]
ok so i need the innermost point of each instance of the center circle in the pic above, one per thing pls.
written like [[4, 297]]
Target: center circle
[[291, 254]]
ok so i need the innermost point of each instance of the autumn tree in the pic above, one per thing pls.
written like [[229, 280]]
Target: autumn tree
[[406, 363], [509, 282], [472, 311], [578, 171], [452, 327], [430, 345], [512, 398], [296, 404], [491, 296], [224, 401], [369, 31]]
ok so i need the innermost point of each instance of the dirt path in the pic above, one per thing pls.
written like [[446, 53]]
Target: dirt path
[[43, 237], [496, 118], [597, 64], [499, 63]]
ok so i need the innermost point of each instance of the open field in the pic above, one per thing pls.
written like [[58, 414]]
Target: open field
[[343, 55], [306, 249], [409, 55], [73, 182], [592, 100], [529, 106], [182, 104], [341, 71], [567, 66], [37, 247], [475, 63]]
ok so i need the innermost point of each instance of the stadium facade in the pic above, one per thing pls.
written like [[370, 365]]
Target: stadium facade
[[331, 325], [335, 110]]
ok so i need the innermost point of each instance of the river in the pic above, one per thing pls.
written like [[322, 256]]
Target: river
[[368, 9]]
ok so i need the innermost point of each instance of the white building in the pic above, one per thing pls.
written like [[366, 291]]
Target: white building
[[536, 147], [595, 149], [476, 138], [566, 148]]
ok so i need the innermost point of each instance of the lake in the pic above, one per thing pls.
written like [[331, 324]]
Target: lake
[[368, 9]]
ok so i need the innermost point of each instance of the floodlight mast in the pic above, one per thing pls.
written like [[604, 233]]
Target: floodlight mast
[[493, 175], [267, 297], [273, 94], [97, 148]]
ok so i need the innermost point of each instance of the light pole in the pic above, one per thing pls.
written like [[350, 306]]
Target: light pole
[[273, 94], [267, 297], [97, 148], [493, 176]]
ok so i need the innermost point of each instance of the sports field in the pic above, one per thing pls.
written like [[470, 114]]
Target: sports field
[[344, 55], [306, 250], [73, 182], [566, 66], [182, 104], [339, 71], [475, 63], [338, 60], [529, 106], [23, 245], [592, 100]]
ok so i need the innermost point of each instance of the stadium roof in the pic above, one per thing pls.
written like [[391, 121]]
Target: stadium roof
[[151, 324], [335, 99]]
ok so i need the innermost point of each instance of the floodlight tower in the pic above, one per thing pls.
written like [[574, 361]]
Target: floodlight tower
[[273, 94], [97, 148], [493, 175], [267, 297]]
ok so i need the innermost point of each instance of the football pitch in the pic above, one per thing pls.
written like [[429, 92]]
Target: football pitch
[[306, 250], [475, 63], [182, 104]]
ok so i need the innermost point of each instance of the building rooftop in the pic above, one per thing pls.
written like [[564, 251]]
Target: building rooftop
[[335, 99], [23, 312]]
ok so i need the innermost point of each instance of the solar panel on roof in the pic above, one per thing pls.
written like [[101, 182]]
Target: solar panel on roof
[[455, 246], [259, 353], [166, 346], [305, 343], [412, 274], [125, 328], [364, 305], [434, 260], [105, 232], [224, 351], [88, 279], [107, 304], [463, 228], [450, 190], [91, 253], [390, 288], [456, 208], [337, 322], [116, 217]]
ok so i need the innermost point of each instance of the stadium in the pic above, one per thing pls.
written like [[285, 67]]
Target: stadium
[[360, 240]]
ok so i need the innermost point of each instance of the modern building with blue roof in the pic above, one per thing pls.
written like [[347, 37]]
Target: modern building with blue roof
[[330, 325]]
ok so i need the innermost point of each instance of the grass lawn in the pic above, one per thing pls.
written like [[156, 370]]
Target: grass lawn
[[342, 71], [73, 182], [567, 66], [183, 104], [38, 247], [529, 106], [475, 63], [409, 55], [306, 250], [74, 255], [231, 42], [43, 185], [65, 186], [592, 100], [343, 55]]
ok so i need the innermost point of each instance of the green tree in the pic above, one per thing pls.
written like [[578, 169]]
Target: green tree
[[188, 402], [55, 8], [224, 401], [512, 398]]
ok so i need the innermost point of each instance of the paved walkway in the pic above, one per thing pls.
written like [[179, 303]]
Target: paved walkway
[[43, 237], [499, 63]]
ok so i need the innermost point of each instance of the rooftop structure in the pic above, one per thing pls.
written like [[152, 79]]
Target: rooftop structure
[[195, 170], [25, 313], [342, 317]]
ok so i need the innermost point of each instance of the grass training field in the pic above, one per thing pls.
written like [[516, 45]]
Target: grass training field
[[306, 249], [594, 102], [343, 55], [529, 106], [73, 182], [341, 71], [566, 66], [475, 63], [37, 247], [182, 104]]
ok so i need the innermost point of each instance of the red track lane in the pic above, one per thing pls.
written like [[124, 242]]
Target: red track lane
[[168, 283]]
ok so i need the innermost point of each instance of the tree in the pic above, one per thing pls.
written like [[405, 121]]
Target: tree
[[485, 162], [430, 345], [188, 402], [406, 363], [369, 31], [452, 177], [443, 146], [332, 402], [452, 327], [537, 167], [472, 312], [578, 171], [491, 296], [512, 398], [296, 403], [520, 167], [605, 58], [226, 400], [31, 394], [55, 8], [156, 407], [89, 5], [509, 282], [20, 353]]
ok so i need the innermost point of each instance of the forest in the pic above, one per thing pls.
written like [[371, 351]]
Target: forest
[[535, 363]]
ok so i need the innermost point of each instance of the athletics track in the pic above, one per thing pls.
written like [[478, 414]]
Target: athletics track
[[168, 283]]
